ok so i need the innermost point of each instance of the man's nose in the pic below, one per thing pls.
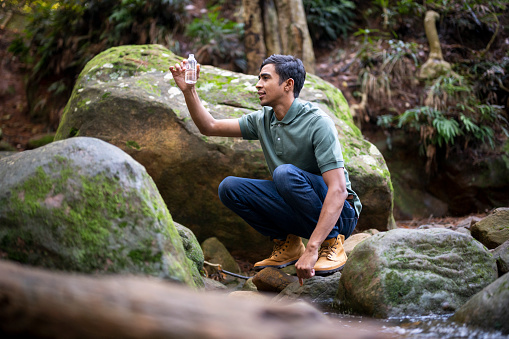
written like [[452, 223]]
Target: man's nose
[[258, 85]]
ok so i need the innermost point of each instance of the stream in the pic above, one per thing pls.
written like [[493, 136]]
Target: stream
[[436, 326]]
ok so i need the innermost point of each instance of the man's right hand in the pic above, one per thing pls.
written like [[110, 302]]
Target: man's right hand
[[179, 75]]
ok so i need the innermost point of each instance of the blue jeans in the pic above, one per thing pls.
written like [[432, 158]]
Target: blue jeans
[[289, 204]]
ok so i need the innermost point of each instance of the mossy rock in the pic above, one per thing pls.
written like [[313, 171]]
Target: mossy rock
[[493, 230], [488, 309], [193, 250], [406, 272], [84, 205], [127, 97]]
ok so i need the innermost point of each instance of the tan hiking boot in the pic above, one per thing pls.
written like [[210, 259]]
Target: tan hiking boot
[[284, 253], [331, 257]]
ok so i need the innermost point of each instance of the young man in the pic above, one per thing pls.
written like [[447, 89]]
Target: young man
[[310, 195]]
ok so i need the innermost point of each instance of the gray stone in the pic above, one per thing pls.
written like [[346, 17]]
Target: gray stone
[[125, 97], [501, 255], [84, 205], [488, 309], [192, 248], [414, 272], [249, 286], [320, 291], [493, 230], [213, 285], [216, 253]]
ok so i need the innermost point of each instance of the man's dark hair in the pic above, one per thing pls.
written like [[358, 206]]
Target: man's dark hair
[[287, 67]]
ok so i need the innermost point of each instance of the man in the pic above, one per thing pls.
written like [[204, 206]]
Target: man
[[310, 195]]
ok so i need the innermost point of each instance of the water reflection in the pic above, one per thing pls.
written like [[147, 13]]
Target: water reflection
[[414, 327]]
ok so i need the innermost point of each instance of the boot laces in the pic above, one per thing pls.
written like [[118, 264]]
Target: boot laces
[[277, 249], [327, 249]]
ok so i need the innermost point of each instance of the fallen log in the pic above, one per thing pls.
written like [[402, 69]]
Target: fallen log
[[39, 303]]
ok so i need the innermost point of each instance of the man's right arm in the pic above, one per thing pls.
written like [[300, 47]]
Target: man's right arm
[[205, 122]]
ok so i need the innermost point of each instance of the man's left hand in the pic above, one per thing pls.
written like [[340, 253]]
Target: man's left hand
[[305, 265]]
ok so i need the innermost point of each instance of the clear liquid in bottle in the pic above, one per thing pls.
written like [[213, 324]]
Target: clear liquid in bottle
[[191, 70]]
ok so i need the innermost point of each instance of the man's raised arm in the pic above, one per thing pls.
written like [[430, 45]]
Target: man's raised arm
[[205, 122]]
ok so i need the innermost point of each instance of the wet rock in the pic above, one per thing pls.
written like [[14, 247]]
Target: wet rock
[[125, 97], [501, 255], [84, 205], [272, 280], [493, 230], [488, 309], [414, 272], [320, 291]]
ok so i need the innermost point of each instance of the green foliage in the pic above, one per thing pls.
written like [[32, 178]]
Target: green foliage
[[217, 39], [329, 19], [63, 35], [385, 66]]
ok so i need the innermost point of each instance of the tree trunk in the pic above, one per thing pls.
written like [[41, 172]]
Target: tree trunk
[[42, 304], [432, 35], [435, 65], [272, 38], [284, 31], [253, 39]]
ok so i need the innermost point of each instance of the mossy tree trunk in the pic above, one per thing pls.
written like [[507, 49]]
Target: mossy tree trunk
[[435, 65], [276, 27]]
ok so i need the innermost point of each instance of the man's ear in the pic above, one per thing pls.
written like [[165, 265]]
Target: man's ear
[[289, 84]]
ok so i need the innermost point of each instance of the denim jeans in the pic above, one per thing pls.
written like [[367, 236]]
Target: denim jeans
[[289, 204]]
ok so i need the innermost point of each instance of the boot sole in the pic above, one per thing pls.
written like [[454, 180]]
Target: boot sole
[[259, 268], [329, 272]]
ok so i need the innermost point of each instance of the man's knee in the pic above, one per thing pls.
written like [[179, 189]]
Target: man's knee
[[284, 171], [225, 187]]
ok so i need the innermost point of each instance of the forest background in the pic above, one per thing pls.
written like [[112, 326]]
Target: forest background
[[374, 51]]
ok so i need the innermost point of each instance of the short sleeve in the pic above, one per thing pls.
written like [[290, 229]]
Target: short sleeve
[[249, 125], [326, 145]]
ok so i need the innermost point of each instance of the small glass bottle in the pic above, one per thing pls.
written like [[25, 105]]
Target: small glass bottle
[[191, 70]]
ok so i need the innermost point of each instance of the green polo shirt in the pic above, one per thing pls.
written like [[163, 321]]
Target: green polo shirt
[[306, 138]]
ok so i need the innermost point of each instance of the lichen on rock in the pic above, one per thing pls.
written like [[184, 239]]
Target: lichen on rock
[[84, 205]]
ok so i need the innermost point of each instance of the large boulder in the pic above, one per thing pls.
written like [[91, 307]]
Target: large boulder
[[493, 230], [488, 309], [414, 272], [84, 205], [126, 97]]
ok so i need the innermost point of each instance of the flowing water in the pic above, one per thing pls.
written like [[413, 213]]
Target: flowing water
[[425, 327]]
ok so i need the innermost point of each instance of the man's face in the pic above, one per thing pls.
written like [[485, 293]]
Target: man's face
[[269, 89]]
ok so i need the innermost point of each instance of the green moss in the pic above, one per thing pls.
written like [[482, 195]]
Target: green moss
[[397, 288], [149, 87], [83, 226], [35, 143], [133, 145], [127, 61], [141, 256], [105, 95], [74, 132]]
